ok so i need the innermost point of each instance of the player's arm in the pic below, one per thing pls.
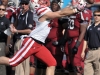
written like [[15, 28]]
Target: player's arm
[[83, 50], [64, 12], [83, 27], [78, 6], [61, 13], [84, 44]]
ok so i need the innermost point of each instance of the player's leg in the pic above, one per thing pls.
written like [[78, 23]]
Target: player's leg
[[75, 60], [19, 56], [44, 55], [32, 65], [4, 60]]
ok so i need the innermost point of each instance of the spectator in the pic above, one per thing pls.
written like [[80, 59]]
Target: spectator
[[93, 5], [23, 26], [4, 39], [11, 15], [92, 40], [5, 2]]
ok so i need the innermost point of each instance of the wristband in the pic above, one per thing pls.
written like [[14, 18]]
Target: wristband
[[77, 44]]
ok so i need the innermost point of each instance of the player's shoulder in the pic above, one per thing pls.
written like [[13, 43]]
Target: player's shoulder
[[42, 9], [87, 11]]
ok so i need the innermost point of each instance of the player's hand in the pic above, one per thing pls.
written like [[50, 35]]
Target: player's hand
[[74, 50], [82, 55]]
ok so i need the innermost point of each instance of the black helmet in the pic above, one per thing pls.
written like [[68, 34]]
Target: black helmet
[[24, 1]]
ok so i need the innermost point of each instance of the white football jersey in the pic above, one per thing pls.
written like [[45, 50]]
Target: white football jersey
[[42, 29]]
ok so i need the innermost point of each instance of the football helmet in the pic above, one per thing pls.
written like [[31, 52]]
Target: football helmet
[[11, 3], [36, 3], [79, 4]]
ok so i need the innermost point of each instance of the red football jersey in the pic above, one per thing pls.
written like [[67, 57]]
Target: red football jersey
[[11, 14], [56, 29], [75, 20], [10, 11]]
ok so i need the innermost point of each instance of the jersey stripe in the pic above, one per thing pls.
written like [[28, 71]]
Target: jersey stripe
[[41, 12], [39, 9], [24, 49]]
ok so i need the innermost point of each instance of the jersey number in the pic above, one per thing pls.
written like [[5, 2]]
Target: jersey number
[[71, 24]]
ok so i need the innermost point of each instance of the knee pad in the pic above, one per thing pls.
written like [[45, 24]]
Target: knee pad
[[78, 69]]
